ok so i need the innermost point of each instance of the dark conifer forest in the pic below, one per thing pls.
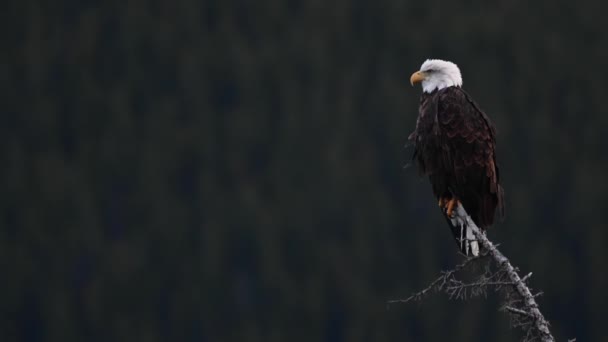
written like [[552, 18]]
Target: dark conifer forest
[[233, 170]]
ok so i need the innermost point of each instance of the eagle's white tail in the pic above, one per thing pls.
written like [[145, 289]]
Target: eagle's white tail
[[467, 241]]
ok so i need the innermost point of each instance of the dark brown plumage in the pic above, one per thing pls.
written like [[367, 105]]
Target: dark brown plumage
[[455, 146]]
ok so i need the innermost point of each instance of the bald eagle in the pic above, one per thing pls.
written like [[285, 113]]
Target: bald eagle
[[455, 147]]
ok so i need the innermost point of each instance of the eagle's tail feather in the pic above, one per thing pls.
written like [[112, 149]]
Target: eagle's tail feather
[[469, 243], [463, 234]]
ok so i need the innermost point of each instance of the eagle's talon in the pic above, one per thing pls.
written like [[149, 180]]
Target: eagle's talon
[[450, 206]]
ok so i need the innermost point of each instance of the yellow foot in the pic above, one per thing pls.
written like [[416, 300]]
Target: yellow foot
[[450, 206]]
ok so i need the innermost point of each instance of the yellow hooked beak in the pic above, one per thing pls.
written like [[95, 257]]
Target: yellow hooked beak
[[418, 76]]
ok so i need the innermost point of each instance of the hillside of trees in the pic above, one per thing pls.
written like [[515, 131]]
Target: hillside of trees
[[234, 170]]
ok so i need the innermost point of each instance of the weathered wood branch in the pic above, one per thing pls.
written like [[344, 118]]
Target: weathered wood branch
[[437, 285], [519, 301], [528, 304]]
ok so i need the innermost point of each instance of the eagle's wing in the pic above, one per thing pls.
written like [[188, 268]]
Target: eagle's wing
[[468, 143]]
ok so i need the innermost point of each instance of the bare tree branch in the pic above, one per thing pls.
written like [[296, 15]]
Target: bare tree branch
[[519, 302], [437, 285], [529, 303], [517, 311]]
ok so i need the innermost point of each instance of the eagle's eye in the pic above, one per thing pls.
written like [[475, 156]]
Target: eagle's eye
[[430, 70]]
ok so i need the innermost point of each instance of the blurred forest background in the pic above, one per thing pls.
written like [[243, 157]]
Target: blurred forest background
[[233, 170]]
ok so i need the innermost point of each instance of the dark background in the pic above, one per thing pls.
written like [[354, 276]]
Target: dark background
[[233, 170]]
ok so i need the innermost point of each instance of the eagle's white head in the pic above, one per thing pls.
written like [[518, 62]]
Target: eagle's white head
[[437, 74]]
